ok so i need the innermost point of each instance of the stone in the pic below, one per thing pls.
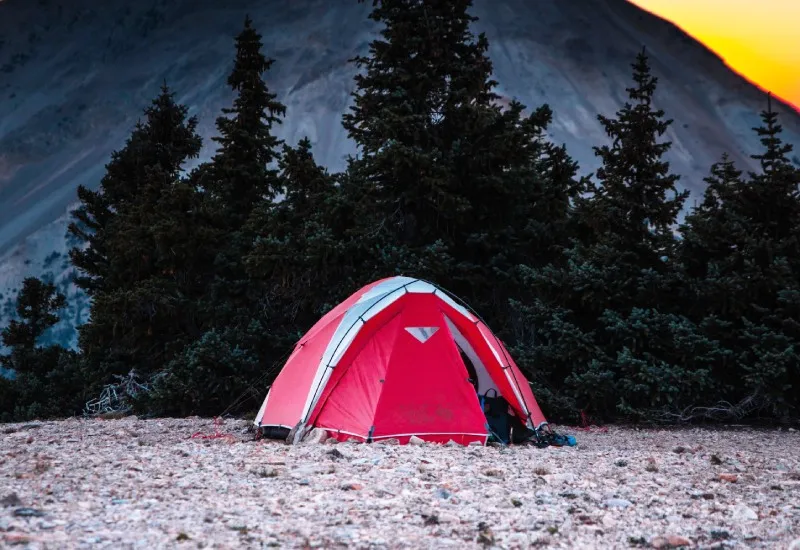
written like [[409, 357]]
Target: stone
[[617, 503], [316, 437], [414, 440], [390, 441], [28, 513], [742, 512], [10, 500], [730, 478], [670, 541]]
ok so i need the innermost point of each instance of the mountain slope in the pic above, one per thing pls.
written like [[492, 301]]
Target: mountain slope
[[75, 76]]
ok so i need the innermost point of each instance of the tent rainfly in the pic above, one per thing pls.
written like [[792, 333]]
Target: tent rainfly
[[398, 358]]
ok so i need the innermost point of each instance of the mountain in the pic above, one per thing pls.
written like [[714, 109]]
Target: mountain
[[75, 76]]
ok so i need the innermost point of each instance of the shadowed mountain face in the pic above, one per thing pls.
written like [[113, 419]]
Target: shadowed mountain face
[[75, 76]]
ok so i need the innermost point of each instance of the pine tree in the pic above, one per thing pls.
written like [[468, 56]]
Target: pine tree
[[446, 183], [240, 178], [608, 326], [771, 202], [162, 140], [46, 381], [136, 317], [240, 175], [296, 250], [234, 310]]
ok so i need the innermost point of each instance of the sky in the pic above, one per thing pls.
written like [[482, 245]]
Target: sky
[[759, 39]]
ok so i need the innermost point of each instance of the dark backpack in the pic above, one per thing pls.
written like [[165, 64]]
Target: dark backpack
[[497, 418]]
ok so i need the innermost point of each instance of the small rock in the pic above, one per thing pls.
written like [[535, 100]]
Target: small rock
[[621, 463], [475, 444], [719, 534], [414, 440], [335, 454], [517, 540], [493, 472], [28, 513], [352, 487], [443, 493], [10, 500], [730, 478], [670, 541], [742, 512], [448, 518], [331, 441], [451, 443], [617, 503], [485, 535], [390, 441], [316, 437], [516, 502], [17, 538]]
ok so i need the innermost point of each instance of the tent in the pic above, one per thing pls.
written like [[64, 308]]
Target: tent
[[400, 357]]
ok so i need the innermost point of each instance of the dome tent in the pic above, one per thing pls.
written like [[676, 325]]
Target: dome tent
[[398, 358]]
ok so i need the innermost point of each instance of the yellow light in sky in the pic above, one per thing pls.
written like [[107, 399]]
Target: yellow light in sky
[[759, 39]]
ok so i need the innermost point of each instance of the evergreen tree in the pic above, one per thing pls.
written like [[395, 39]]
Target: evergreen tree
[[296, 254], [136, 318], [234, 310], [46, 381], [740, 250], [239, 178], [608, 327], [240, 175], [447, 185]]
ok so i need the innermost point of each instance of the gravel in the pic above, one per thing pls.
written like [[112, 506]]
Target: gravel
[[130, 483]]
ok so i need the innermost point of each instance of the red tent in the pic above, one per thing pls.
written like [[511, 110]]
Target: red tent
[[391, 362]]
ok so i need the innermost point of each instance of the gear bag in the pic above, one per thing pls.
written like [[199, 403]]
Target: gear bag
[[497, 418]]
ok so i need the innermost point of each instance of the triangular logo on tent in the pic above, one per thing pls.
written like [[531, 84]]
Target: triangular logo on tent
[[422, 333]]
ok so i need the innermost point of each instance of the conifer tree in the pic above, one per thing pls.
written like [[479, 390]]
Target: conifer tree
[[296, 250], [234, 315], [740, 251], [46, 381], [239, 178], [135, 319], [446, 183], [607, 324], [240, 174]]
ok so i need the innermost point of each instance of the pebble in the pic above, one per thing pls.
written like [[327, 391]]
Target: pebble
[[617, 503], [742, 512], [670, 541]]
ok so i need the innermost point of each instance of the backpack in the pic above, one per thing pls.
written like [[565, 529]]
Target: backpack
[[497, 418]]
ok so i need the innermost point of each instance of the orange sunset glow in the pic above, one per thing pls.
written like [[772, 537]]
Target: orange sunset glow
[[758, 39]]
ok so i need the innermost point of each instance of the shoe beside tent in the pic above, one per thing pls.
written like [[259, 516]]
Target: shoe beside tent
[[398, 358]]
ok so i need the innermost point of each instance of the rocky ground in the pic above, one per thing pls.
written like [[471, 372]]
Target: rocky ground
[[129, 483]]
